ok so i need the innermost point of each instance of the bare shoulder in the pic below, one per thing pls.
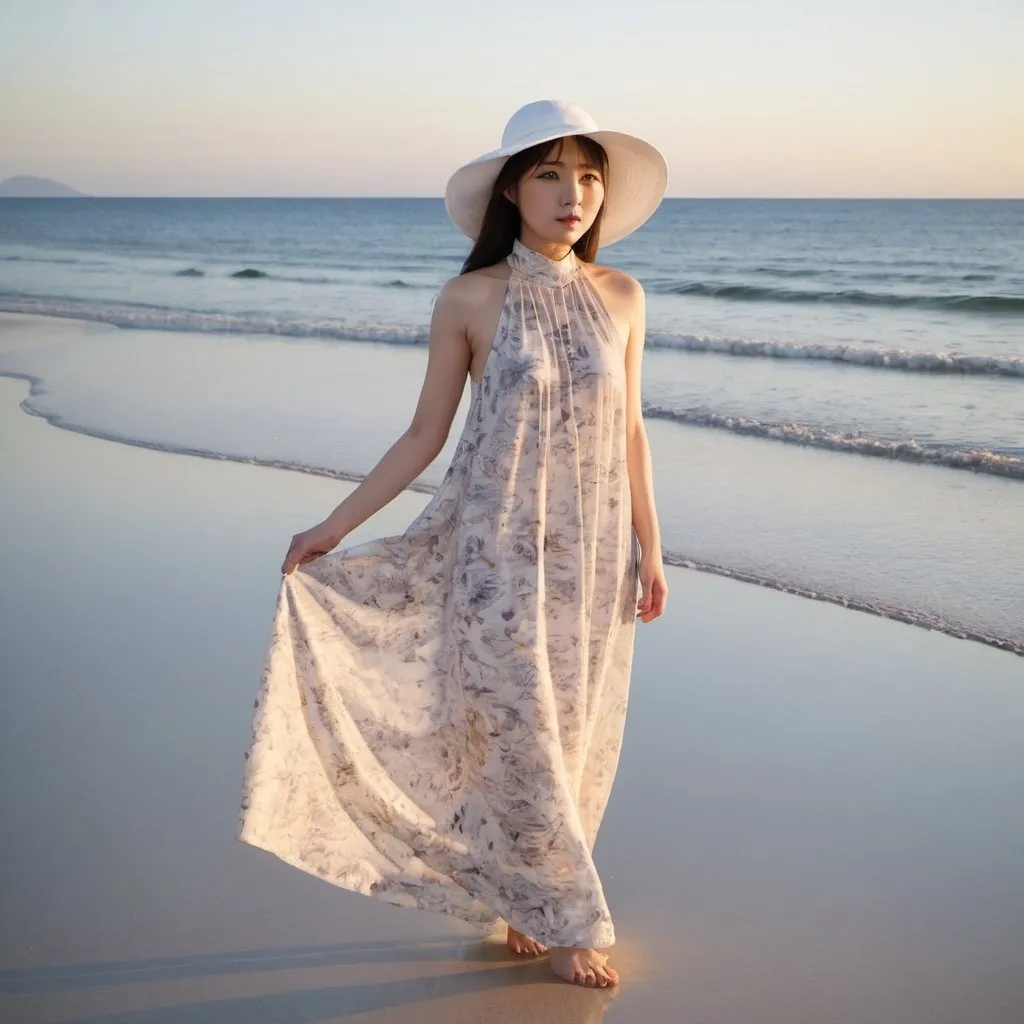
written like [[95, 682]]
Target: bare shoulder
[[472, 303], [616, 281], [622, 294], [474, 286]]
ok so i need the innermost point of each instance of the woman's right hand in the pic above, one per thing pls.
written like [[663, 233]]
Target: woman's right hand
[[311, 544]]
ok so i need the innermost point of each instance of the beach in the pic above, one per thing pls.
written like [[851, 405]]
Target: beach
[[248, 262], [832, 387], [917, 543], [816, 814]]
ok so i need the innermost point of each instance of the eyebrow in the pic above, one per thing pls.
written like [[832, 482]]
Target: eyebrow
[[558, 163]]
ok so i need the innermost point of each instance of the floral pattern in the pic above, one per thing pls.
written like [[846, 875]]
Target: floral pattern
[[440, 712]]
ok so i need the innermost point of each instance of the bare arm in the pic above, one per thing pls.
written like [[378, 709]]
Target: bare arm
[[641, 478], [443, 385], [638, 452]]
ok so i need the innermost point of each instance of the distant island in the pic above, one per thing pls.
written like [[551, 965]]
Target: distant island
[[25, 186]]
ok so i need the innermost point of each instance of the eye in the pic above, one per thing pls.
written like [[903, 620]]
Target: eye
[[589, 174]]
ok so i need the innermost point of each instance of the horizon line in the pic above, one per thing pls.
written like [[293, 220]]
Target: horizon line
[[803, 198]]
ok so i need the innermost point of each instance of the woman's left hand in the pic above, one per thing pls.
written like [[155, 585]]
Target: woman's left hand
[[655, 588]]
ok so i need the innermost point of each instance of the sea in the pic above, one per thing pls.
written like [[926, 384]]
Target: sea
[[834, 389]]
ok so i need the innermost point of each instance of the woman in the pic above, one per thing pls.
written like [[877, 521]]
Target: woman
[[441, 712]]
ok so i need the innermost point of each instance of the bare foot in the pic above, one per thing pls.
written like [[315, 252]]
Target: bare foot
[[583, 966], [520, 943]]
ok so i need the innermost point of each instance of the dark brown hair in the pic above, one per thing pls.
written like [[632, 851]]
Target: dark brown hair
[[502, 223]]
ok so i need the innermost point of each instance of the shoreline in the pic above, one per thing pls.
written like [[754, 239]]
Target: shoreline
[[907, 616], [970, 458], [815, 812]]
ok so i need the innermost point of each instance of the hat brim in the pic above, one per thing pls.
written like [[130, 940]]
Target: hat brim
[[637, 182]]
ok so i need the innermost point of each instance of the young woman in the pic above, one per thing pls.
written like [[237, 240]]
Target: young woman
[[441, 712]]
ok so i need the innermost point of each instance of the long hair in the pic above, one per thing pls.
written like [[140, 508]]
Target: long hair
[[502, 224]]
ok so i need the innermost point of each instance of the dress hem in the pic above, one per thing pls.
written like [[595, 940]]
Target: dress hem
[[483, 927]]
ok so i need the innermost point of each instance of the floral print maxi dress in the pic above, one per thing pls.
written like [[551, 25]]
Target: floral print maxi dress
[[440, 712]]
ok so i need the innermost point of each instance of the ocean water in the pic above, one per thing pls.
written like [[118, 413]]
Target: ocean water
[[834, 389]]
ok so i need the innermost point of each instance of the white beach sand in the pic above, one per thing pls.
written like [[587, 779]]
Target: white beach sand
[[816, 817]]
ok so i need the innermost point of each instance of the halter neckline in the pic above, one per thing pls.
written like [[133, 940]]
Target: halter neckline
[[537, 267]]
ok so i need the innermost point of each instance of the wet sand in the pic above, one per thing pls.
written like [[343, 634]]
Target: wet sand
[[816, 815]]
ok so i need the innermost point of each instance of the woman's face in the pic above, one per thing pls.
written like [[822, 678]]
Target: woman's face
[[564, 185]]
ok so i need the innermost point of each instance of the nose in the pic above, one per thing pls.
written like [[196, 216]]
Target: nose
[[574, 192]]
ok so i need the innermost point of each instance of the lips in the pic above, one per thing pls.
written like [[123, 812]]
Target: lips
[[569, 220]]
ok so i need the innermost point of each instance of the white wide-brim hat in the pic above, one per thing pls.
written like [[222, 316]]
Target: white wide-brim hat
[[637, 171]]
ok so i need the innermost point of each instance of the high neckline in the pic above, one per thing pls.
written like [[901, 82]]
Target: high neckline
[[537, 267]]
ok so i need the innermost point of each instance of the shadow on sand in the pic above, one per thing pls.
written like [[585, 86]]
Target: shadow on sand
[[494, 984]]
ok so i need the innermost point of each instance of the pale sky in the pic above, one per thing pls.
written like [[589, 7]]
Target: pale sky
[[387, 97]]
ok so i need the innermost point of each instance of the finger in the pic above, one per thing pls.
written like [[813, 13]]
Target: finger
[[651, 612]]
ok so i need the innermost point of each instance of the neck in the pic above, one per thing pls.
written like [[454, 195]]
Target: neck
[[534, 265], [553, 250]]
